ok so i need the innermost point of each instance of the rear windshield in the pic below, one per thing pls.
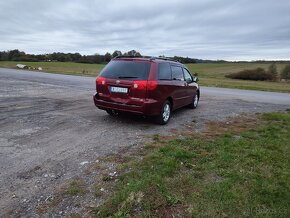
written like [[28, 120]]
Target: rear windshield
[[126, 70]]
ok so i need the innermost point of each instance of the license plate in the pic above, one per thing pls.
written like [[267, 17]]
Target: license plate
[[118, 89]]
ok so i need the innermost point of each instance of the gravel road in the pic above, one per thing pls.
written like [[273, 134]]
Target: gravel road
[[49, 127]]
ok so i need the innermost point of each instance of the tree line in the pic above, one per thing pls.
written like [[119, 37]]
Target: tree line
[[16, 55]]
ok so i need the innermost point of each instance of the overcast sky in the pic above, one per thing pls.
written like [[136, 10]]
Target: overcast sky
[[208, 29]]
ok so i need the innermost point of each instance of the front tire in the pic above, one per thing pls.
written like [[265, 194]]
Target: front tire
[[165, 113]]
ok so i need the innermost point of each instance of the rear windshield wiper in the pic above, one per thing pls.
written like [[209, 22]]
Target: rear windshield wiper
[[127, 77]]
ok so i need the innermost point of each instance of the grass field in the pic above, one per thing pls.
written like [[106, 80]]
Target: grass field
[[214, 75], [235, 169], [60, 67], [209, 74]]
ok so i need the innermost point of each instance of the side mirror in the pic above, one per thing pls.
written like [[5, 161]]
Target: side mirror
[[195, 79], [189, 80]]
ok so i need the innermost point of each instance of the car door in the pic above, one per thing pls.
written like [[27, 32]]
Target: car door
[[179, 94], [191, 87]]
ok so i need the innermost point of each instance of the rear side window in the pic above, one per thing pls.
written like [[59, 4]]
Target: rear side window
[[164, 71], [177, 73], [128, 70]]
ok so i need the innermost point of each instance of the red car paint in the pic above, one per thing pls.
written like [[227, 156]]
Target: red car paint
[[145, 95]]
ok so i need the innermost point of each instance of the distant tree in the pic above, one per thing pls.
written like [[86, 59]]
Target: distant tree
[[116, 53], [133, 53], [39, 57], [4, 56], [61, 57], [76, 57], [184, 60], [98, 59], [14, 55], [285, 74], [273, 71], [107, 57], [138, 54]]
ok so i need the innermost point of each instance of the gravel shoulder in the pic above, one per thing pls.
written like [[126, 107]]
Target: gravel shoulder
[[51, 132]]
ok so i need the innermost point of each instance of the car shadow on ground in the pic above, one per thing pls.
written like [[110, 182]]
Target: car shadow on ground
[[130, 118]]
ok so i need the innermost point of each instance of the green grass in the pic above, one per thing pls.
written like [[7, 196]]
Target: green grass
[[60, 67], [214, 75], [209, 74], [218, 176], [76, 187], [219, 70], [243, 84]]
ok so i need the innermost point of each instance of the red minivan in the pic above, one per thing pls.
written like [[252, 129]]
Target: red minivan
[[145, 85]]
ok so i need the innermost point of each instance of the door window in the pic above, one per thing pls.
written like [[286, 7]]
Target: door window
[[177, 73], [187, 76]]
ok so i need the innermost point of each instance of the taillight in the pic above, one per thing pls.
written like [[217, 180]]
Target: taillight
[[140, 84], [151, 85], [143, 84], [100, 81]]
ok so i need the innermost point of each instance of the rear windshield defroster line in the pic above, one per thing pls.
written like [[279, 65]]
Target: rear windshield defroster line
[[126, 70]]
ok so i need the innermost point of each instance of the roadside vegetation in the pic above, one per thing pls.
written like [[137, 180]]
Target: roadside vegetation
[[285, 74], [240, 168], [260, 74]]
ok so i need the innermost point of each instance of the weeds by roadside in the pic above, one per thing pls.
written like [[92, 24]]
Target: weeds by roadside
[[235, 168], [76, 187], [240, 170]]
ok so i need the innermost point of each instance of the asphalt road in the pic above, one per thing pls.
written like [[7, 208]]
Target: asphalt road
[[49, 127]]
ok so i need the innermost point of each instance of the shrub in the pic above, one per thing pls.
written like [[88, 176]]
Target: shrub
[[285, 74], [254, 74], [273, 71]]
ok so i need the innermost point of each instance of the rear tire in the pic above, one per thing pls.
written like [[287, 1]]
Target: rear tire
[[194, 102], [113, 113], [165, 113]]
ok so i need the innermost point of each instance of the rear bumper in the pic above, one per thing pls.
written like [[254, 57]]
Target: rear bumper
[[149, 107]]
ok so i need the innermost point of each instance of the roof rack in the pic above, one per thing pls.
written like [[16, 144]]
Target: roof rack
[[149, 57], [128, 56], [164, 58]]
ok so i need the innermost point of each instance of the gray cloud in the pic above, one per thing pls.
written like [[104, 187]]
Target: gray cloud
[[211, 29]]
